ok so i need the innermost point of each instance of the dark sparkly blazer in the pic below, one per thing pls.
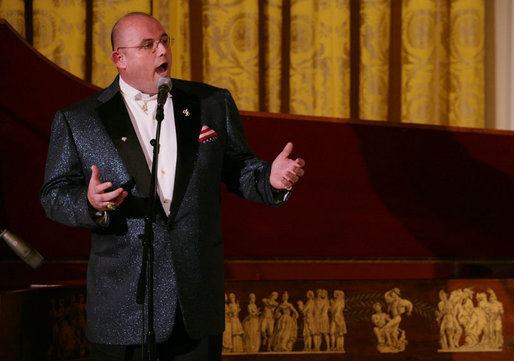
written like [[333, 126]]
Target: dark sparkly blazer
[[188, 244]]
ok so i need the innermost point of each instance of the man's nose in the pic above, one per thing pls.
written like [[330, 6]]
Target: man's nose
[[161, 48]]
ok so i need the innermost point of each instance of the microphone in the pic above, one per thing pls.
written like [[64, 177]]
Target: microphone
[[164, 85], [28, 254]]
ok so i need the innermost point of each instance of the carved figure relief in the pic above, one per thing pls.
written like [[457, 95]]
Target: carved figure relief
[[467, 320], [236, 328], [390, 337], [268, 321], [465, 325], [309, 320], [276, 327], [337, 322], [227, 334], [286, 327], [251, 327], [379, 319], [321, 309]]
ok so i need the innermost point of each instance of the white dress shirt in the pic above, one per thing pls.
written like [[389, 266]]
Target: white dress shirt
[[141, 108]]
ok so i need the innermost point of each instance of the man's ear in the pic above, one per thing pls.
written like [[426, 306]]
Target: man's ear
[[118, 59]]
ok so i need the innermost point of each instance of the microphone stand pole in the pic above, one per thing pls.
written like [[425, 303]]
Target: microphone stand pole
[[147, 273]]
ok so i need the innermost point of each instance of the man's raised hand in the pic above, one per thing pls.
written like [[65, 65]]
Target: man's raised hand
[[285, 172]]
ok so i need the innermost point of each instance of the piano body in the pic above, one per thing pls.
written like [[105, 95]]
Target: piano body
[[383, 207]]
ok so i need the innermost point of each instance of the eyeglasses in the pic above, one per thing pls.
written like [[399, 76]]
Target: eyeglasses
[[151, 45]]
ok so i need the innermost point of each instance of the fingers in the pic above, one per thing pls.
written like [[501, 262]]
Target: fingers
[[121, 198], [286, 183], [113, 203], [288, 149], [293, 173], [300, 162], [102, 187], [97, 195], [285, 172], [292, 178], [95, 174], [300, 172], [296, 170], [105, 201], [110, 196]]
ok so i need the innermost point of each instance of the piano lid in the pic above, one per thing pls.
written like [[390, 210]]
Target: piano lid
[[32, 89], [371, 189]]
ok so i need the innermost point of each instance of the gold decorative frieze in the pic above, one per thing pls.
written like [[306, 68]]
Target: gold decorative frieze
[[367, 317], [470, 321]]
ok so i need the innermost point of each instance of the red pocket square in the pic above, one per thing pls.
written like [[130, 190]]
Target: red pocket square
[[207, 134]]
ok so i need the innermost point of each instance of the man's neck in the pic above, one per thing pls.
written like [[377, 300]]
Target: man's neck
[[135, 89]]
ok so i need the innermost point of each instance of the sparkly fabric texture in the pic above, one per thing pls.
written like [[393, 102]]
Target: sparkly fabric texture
[[188, 245]]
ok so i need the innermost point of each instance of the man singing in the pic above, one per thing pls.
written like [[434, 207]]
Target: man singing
[[98, 175]]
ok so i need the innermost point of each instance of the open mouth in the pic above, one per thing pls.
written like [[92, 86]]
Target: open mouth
[[161, 69]]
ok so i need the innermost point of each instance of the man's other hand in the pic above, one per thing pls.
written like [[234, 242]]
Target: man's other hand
[[96, 193], [285, 172]]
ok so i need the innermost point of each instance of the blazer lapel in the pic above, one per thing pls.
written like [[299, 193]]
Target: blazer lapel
[[188, 125], [113, 114]]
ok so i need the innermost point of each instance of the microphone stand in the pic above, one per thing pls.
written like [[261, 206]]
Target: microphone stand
[[147, 272]]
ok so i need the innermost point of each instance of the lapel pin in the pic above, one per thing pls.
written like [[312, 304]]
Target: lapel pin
[[186, 112], [123, 139]]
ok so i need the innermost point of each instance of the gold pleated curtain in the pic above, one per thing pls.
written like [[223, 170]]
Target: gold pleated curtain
[[414, 61], [443, 62]]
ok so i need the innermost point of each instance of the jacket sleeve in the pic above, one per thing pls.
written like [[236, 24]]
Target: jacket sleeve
[[64, 193], [244, 173]]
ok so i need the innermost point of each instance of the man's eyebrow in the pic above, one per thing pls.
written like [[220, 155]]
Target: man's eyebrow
[[151, 39]]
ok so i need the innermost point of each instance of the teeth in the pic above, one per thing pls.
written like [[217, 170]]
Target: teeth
[[162, 68]]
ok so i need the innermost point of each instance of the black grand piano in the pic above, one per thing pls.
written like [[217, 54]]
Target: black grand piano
[[382, 205]]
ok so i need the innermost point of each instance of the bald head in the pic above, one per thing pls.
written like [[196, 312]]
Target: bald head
[[141, 51], [117, 29]]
